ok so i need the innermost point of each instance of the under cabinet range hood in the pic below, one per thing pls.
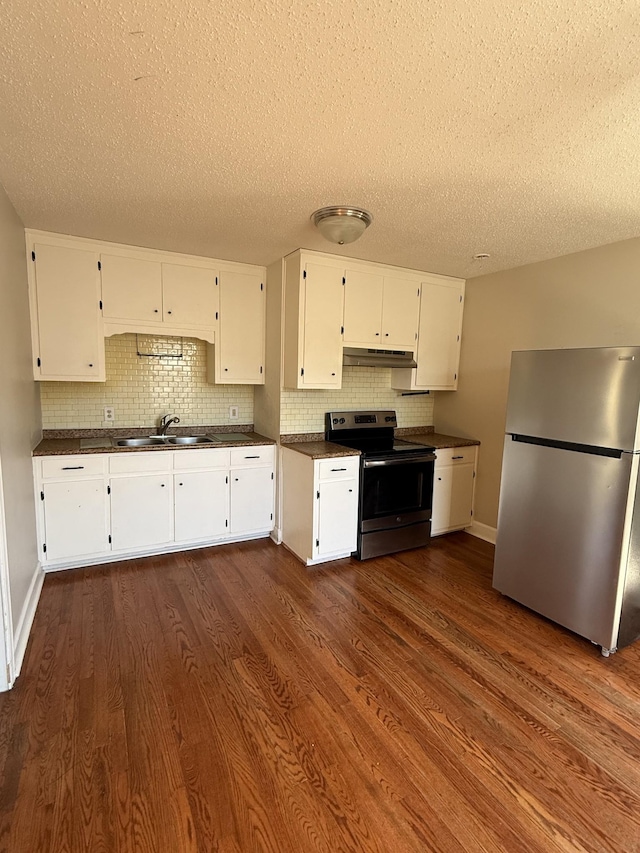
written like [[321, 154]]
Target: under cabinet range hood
[[355, 357]]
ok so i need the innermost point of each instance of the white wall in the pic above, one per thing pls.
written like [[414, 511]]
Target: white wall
[[587, 299], [20, 425]]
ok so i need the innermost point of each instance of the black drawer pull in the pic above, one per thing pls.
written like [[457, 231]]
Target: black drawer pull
[[338, 469], [457, 457], [252, 457], [73, 467]]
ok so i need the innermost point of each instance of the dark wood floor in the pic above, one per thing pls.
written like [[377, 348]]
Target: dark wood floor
[[232, 700]]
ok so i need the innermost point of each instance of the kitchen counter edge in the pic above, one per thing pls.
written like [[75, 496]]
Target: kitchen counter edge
[[71, 446], [320, 449]]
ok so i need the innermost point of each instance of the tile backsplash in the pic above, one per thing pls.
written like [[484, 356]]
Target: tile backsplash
[[141, 388], [362, 388]]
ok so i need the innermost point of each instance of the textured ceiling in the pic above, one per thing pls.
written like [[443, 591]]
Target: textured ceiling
[[216, 128]]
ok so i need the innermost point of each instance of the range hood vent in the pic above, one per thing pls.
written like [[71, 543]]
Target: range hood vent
[[353, 357]]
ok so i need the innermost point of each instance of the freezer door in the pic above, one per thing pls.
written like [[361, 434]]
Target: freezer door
[[586, 396], [560, 535]]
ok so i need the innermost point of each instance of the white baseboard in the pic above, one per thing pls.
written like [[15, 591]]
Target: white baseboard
[[483, 531], [276, 535], [25, 621]]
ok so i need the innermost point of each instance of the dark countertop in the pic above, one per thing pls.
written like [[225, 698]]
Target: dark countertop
[[72, 446], [320, 449], [439, 440]]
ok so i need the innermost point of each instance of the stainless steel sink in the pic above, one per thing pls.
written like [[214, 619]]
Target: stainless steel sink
[[190, 439], [139, 442]]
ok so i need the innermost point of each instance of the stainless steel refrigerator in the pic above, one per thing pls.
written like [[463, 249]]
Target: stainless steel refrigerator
[[568, 543]]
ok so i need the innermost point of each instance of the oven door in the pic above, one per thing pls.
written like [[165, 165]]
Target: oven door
[[396, 492]]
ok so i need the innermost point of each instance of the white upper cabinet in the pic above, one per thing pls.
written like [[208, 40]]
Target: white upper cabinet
[[440, 328], [150, 292], [314, 300], [238, 355], [67, 331], [131, 288], [189, 296], [82, 291], [380, 311]]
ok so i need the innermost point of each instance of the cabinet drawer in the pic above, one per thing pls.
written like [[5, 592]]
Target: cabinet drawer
[[188, 460], [72, 466], [132, 463], [455, 455], [339, 468], [251, 457]]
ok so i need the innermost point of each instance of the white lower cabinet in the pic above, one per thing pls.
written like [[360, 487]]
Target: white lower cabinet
[[75, 518], [251, 499], [141, 511], [337, 517], [201, 505], [453, 486], [319, 506], [100, 507]]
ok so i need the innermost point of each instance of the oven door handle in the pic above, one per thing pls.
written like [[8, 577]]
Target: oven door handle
[[377, 463]]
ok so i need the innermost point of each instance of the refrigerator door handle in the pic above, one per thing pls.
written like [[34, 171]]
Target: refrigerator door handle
[[613, 452]]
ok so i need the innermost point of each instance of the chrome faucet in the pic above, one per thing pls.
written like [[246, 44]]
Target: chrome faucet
[[165, 423]]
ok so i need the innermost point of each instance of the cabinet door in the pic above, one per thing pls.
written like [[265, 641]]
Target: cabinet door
[[141, 511], [400, 312], [70, 340], [439, 336], [201, 505], [362, 309], [239, 347], [251, 500], [131, 289], [189, 296], [337, 517], [323, 308], [75, 519], [452, 498]]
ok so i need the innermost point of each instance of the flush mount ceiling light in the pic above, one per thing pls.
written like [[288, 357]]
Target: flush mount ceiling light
[[341, 224]]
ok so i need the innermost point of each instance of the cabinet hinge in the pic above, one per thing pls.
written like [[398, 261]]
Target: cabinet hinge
[[261, 285], [418, 291], [317, 543], [457, 338], [216, 281], [272, 475], [474, 475], [33, 256], [318, 495], [39, 363], [344, 280], [455, 375], [304, 274], [41, 496], [226, 522], [416, 336], [342, 330], [99, 265], [271, 516], [302, 371], [44, 548], [461, 299], [108, 490], [260, 368], [226, 479], [100, 304], [109, 539], [216, 315]]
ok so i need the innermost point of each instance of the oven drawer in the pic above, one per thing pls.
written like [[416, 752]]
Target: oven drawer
[[339, 468], [455, 455]]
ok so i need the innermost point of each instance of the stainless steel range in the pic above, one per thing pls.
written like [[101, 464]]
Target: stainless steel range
[[396, 482]]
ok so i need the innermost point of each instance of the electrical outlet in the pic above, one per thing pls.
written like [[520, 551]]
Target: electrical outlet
[[233, 413], [109, 414]]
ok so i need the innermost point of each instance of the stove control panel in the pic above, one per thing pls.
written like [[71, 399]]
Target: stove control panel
[[360, 420]]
